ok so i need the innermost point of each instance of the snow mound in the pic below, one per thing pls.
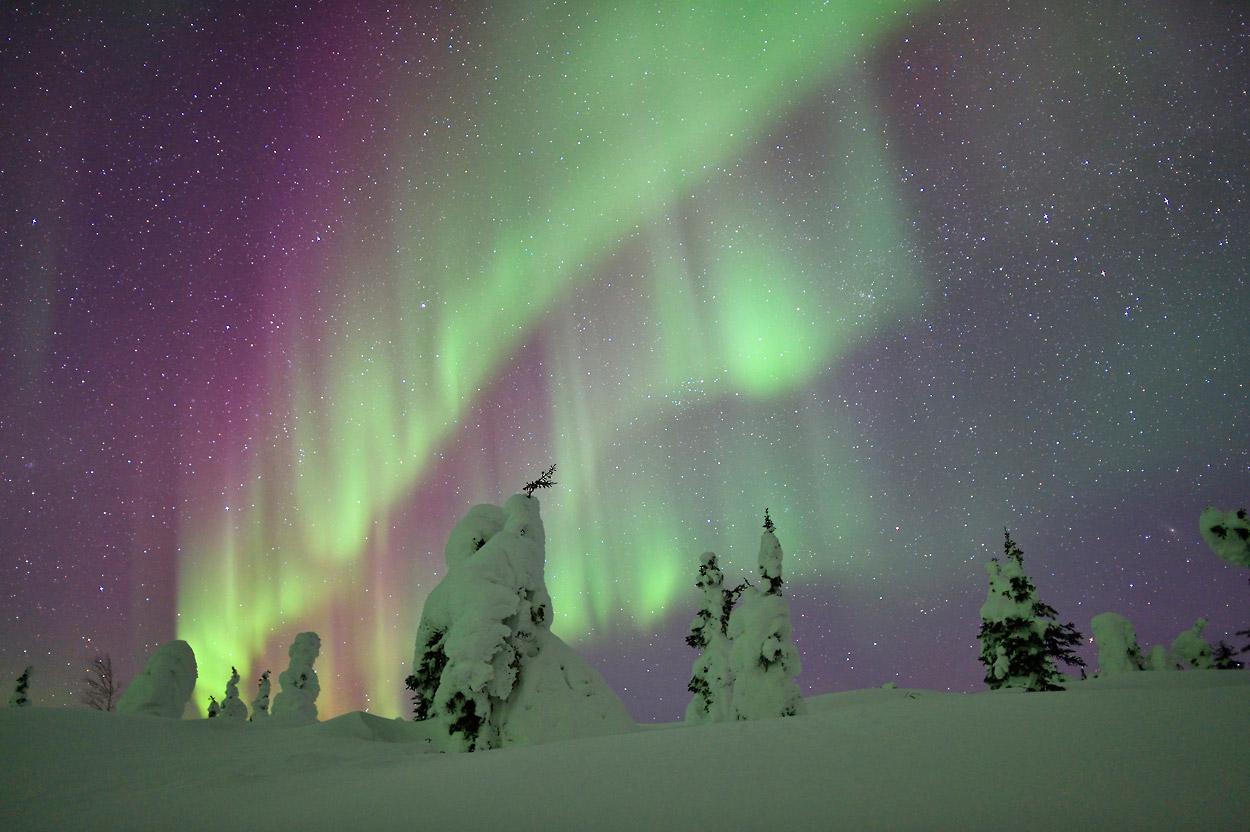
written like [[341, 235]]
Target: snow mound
[[560, 697], [165, 685], [1137, 751]]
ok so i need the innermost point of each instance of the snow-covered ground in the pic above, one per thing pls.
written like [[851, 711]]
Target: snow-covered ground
[[1167, 751]]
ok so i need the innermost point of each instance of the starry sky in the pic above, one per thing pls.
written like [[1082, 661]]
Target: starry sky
[[284, 289]]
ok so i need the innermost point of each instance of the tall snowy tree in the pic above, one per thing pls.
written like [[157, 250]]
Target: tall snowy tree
[[1118, 651], [486, 666], [1190, 650], [165, 685], [260, 705], [99, 690], [1020, 638], [21, 692], [297, 701], [762, 658], [711, 681], [232, 706]]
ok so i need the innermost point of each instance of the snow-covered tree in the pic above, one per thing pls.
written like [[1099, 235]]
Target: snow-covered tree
[[1190, 650], [297, 701], [213, 708], [762, 658], [486, 665], [1157, 659], [1020, 638], [260, 705], [98, 687], [21, 692], [232, 706], [1118, 651], [1227, 533], [711, 681], [165, 685]]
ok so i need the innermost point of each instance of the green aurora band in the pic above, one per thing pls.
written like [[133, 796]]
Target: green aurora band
[[600, 159]]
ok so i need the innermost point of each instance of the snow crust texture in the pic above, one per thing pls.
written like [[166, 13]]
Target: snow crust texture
[[165, 685]]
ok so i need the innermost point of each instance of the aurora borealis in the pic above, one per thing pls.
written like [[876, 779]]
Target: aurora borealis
[[286, 290]]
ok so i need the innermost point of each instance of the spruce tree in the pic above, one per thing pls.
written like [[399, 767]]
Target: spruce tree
[[213, 707], [232, 706], [711, 681], [1020, 638], [260, 705], [1222, 658], [21, 693], [762, 658]]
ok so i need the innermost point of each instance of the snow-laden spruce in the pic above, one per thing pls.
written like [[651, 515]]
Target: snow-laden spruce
[[260, 705], [1118, 651], [232, 706], [1190, 650], [21, 690], [1227, 533], [165, 685], [486, 666], [296, 703], [711, 681], [762, 658], [213, 708], [1020, 639]]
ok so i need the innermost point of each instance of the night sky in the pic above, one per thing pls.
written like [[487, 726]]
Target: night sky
[[284, 291]]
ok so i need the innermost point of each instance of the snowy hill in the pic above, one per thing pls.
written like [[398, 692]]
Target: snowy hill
[[1140, 751]]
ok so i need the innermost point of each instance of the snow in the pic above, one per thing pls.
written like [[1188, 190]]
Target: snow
[[297, 701], [487, 669], [762, 657], [1118, 651], [710, 678], [1139, 751], [165, 685], [1227, 533], [1190, 649], [231, 706], [260, 705]]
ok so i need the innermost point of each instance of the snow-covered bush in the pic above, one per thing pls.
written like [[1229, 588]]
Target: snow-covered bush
[[1227, 533], [165, 685], [260, 705], [1190, 650], [232, 706], [762, 658], [485, 664], [1118, 651], [213, 708], [711, 681], [297, 701], [1157, 659], [1020, 639], [21, 691]]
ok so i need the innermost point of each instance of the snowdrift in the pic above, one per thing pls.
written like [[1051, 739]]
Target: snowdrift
[[1141, 751]]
